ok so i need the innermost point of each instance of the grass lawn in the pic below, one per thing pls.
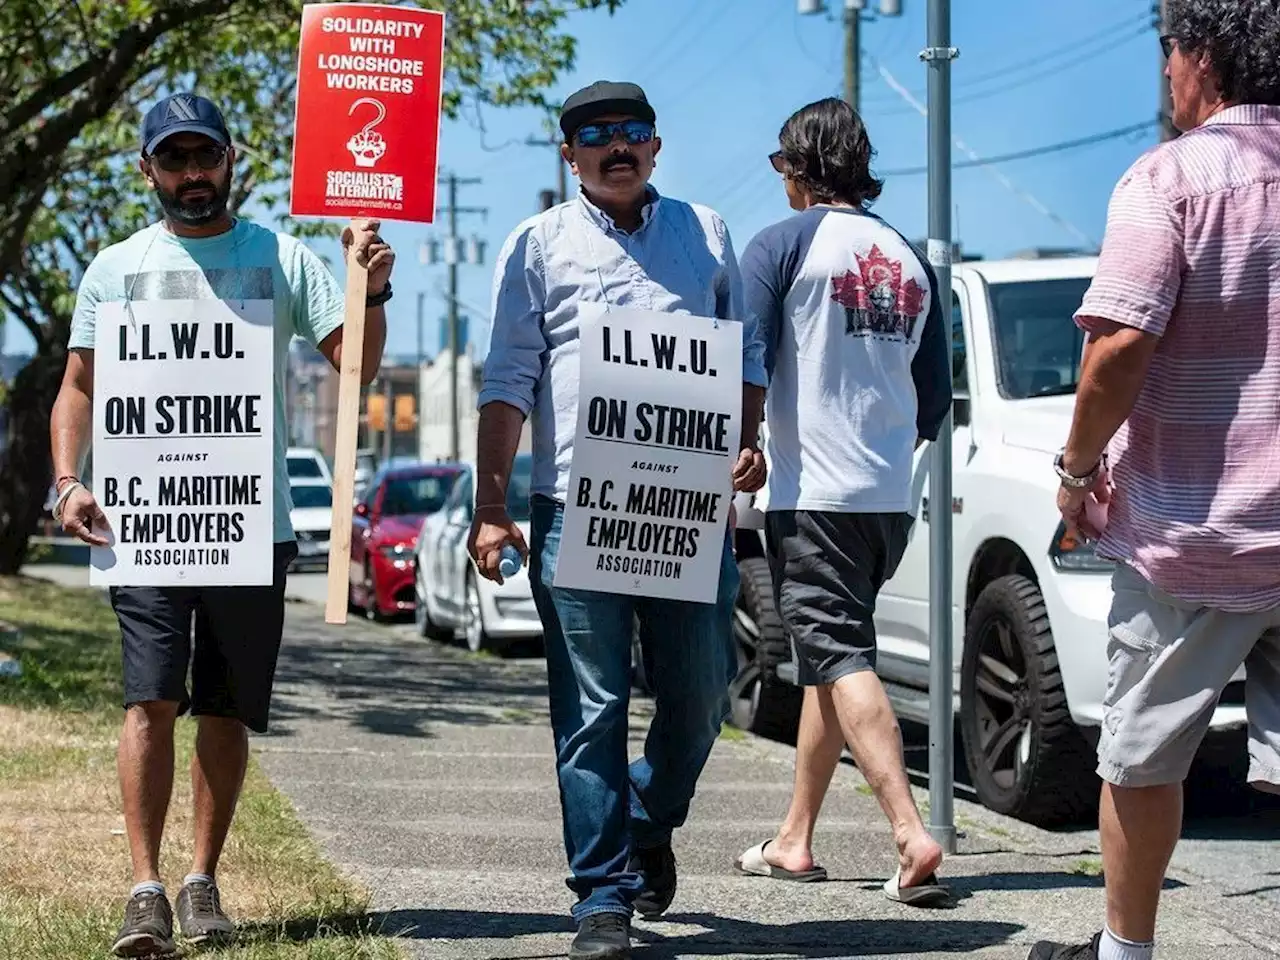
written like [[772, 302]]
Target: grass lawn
[[64, 861]]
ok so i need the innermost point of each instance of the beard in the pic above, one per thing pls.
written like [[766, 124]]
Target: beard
[[195, 214]]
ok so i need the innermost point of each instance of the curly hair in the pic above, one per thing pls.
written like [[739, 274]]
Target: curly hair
[[826, 149], [1242, 40]]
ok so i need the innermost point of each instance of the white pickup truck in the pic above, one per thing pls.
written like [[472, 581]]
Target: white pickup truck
[[1030, 616]]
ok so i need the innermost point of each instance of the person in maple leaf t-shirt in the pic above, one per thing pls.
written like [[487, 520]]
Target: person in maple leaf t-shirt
[[858, 357]]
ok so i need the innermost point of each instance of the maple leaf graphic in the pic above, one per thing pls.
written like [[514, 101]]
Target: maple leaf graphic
[[911, 299], [848, 291]]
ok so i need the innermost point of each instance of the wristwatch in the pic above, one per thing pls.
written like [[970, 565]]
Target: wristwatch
[[378, 299], [1070, 479]]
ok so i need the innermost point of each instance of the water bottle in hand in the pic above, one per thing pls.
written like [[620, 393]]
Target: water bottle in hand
[[510, 562]]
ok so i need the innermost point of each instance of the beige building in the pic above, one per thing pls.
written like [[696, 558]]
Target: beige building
[[434, 411]]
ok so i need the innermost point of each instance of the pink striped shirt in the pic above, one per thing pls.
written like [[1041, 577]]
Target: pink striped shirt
[[1192, 255]]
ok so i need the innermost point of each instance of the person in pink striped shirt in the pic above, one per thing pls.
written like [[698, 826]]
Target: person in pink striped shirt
[[1173, 459]]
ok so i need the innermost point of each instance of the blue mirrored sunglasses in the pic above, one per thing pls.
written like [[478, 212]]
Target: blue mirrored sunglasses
[[602, 134]]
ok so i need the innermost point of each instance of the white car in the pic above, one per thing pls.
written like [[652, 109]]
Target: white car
[[312, 517], [1031, 604], [307, 463], [451, 597]]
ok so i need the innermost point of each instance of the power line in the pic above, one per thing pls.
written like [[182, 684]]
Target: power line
[[1035, 151], [1008, 184], [1045, 64]]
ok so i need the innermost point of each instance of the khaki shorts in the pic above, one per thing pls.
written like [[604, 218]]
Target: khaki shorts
[[1170, 662]]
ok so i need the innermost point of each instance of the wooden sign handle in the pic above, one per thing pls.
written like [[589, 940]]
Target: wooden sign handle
[[344, 452]]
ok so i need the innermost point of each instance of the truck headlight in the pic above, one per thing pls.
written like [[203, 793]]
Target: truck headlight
[[1069, 552]]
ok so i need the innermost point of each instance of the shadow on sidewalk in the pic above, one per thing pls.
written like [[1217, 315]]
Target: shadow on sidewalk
[[385, 683], [719, 936]]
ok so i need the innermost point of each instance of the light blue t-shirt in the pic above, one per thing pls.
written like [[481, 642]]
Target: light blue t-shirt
[[249, 262]]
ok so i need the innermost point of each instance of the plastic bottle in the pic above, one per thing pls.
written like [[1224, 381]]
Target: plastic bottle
[[511, 561]]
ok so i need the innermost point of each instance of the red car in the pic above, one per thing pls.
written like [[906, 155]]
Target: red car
[[384, 532]]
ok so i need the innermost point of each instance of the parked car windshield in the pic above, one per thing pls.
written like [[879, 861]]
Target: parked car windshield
[[304, 467], [405, 496], [1038, 345], [520, 488], [307, 495]]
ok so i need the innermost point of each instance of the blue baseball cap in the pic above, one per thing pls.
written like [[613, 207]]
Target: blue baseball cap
[[182, 113]]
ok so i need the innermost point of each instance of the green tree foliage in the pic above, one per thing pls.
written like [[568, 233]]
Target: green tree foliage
[[75, 79]]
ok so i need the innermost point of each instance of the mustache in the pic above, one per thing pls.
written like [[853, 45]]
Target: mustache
[[618, 160], [192, 187]]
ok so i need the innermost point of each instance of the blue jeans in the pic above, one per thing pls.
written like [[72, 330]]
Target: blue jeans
[[608, 806]]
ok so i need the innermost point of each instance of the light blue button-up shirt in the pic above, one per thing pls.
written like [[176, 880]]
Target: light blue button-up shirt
[[680, 260]]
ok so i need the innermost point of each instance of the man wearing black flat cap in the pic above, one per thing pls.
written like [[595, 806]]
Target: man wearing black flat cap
[[621, 245]]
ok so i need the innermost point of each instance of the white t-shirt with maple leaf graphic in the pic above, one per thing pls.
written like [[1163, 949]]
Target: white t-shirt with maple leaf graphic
[[858, 356]]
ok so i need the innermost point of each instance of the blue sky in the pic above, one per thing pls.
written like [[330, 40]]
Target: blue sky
[[724, 74]]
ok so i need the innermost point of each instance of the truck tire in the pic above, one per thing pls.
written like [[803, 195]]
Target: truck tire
[[1026, 757], [761, 703]]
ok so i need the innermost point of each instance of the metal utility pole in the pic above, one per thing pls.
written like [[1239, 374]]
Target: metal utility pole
[[1167, 130], [422, 305], [852, 61], [853, 13], [938, 55], [453, 256], [562, 184], [388, 425]]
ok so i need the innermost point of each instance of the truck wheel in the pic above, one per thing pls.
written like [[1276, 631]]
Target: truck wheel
[[761, 703], [1026, 757]]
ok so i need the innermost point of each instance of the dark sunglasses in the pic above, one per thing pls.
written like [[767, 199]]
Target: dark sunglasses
[[175, 159], [1167, 42], [602, 134], [779, 163]]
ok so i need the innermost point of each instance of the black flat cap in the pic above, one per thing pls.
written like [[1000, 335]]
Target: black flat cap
[[601, 98]]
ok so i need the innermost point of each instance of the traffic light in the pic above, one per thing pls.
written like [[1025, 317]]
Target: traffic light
[[404, 413], [376, 406]]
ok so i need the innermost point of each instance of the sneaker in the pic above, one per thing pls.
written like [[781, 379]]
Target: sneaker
[[657, 867], [1044, 950], [200, 916], [603, 936], [148, 927]]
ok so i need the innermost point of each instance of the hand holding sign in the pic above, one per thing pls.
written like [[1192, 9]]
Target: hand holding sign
[[749, 471], [372, 253], [81, 513]]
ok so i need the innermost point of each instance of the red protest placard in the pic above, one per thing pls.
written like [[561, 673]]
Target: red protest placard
[[368, 113]]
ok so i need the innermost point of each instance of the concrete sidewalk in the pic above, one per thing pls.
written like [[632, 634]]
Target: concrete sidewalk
[[427, 774]]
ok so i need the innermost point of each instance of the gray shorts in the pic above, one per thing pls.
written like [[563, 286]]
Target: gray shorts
[[1170, 662], [828, 569]]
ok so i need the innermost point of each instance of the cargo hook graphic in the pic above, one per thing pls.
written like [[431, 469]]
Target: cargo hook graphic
[[367, 146]]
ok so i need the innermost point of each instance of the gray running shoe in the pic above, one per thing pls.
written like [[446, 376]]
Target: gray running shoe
[[148, 927], [200, 916]]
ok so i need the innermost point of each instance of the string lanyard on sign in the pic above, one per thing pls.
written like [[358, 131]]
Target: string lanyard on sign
[[237, 267], [595, 261]]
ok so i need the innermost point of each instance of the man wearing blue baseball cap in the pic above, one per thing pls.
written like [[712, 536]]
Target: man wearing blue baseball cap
[[228, 636]]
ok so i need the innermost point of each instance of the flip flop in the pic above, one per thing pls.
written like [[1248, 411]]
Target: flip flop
[[753, 864], [927, 893]]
